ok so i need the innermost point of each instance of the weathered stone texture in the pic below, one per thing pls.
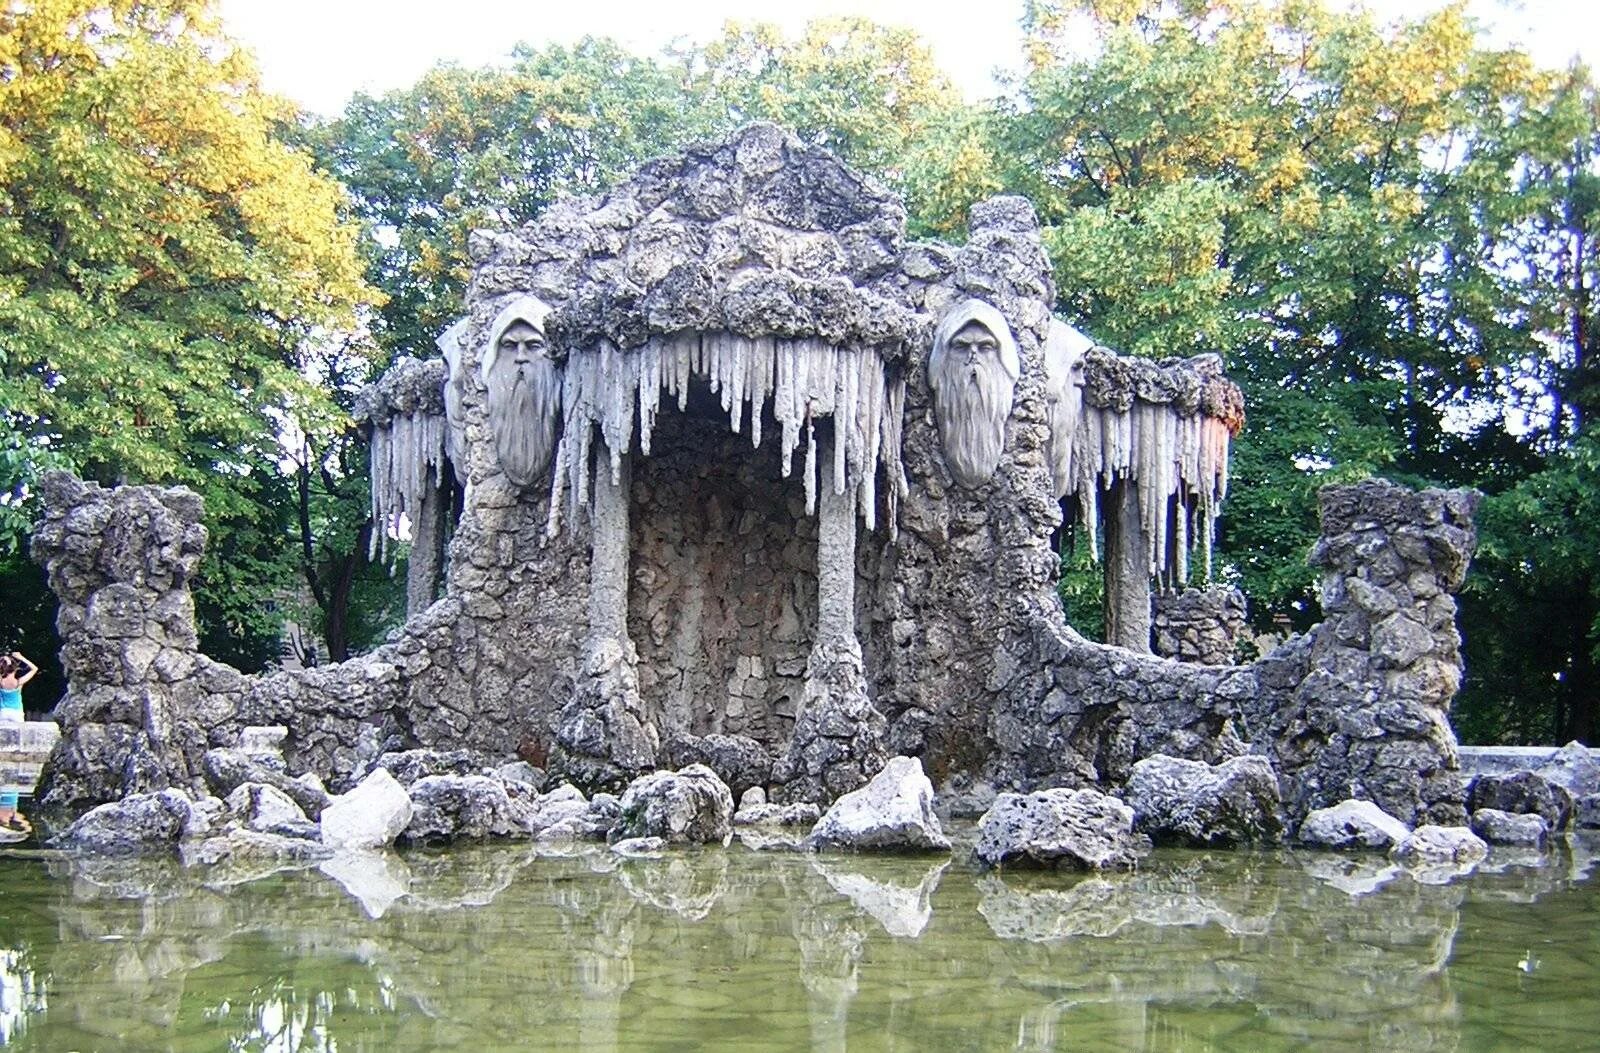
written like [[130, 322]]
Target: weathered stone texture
[[1352, 825], [1200, 625], [1520, 793], [143, 702], [1070, 829], [1368, 716], [1188, 802], [828, 593], [893, 811], [691, 806]]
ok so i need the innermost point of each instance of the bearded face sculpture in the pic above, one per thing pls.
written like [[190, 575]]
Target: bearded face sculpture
[[1064, 351], [455, 385], [522, 376], [973, 373]]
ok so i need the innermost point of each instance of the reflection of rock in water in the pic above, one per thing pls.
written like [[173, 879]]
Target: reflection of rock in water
[[492, 946], [901, 910], [22, 993], [687, 885], [832, 936], [376, 880], [1369, 968], [1352, 874], [1103, 906]]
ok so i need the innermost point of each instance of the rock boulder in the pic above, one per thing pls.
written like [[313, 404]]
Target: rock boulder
[[371, 815], [894, 810], [1191, 802], [1441, 844], [691, 806], [1353, 825], [738, 760], [1520, 793], [1507, 828], [468, 807], [137, 824], [1081, 829]]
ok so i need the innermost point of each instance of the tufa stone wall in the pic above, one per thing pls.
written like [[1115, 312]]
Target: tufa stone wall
[[1359, 707], [1199, 625], [665, 575], [142, 701]]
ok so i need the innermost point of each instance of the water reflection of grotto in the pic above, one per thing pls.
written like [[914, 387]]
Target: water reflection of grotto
[[489, 946]]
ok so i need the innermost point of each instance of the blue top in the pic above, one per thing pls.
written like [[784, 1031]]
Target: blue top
[[10, 698]]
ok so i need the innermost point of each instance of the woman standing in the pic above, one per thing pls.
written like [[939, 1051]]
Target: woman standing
[[15, 671]]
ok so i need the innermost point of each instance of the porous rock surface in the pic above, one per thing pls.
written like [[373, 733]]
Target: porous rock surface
[[227, 769], [768, 251], [266, 809], [739, 760], [1203, 626], [137, 824], [468, 807], [1191, 802], [1352, 825], [1081, 829], [1523, 792], [1508, 828], [893, 811], [1441, 844], [691, 806], [371, 815]]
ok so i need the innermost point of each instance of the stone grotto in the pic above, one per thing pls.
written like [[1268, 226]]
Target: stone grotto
[[721, 468]]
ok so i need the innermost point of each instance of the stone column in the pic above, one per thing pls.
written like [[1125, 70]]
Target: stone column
[[838, 742], [836, 567], [602, 737], [1127, 547], [608, 567], [425, 565]]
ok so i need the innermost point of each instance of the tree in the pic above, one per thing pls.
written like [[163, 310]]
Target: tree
[[167, 267]]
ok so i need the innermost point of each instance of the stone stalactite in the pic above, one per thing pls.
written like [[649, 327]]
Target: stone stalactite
[[803, 380], [408, 460], [1174, 461], [424, 568]]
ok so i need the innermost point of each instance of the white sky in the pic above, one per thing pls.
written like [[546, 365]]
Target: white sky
[[319, 52]]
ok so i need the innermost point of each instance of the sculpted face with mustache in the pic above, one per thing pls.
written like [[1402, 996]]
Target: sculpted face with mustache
[[973, 373], [523, 381]]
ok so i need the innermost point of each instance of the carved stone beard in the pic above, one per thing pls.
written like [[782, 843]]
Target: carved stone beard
[[524, 404], [455, 417], [1064, 352], [971, 404]]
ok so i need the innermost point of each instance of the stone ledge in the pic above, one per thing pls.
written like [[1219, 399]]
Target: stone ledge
[[1499, 760]]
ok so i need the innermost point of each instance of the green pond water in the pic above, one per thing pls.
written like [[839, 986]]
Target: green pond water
[[512, 947]]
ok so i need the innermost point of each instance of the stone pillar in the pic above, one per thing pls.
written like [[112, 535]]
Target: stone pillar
[[836, 567], [839, 734], [141, 697], [1127, 546], [1203, 626], [424, 567], [608, 567], [603, 739], [1370, 718]]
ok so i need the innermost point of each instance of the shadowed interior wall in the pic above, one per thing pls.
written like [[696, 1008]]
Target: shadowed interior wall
[[722, 603]]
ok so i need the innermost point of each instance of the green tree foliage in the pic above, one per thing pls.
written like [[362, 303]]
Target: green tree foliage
[[464, 149], [1388, 233], [167, 265]]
